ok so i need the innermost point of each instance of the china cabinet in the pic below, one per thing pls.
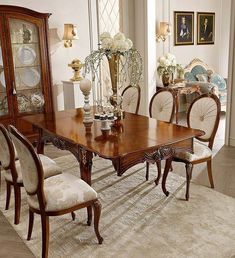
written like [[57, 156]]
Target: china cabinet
[[25, 75]]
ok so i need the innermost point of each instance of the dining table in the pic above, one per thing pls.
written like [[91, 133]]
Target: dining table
[[130, 141]]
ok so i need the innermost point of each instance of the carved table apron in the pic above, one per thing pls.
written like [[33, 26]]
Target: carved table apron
[[121, 163]]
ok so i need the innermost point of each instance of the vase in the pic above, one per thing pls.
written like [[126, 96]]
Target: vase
[[116, 98], [166, 79]]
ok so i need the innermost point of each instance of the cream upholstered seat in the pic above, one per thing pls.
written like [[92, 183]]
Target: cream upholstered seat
[[49, 165], [12, 169], [203, 114], [161, 107], [53, 196], [131, 99], [64, 191], [200, 151]]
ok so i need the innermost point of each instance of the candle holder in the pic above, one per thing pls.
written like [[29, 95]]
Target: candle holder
[[85, 87]]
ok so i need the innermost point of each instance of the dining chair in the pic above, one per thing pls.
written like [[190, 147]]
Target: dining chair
[[203, 114], [131, 99], [54, 196], [12, 170], [162, 108]]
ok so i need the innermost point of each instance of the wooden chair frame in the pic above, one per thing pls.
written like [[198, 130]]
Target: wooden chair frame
[[139, 95], [42, 202], [158, 162], [210, 140], [14, 174]]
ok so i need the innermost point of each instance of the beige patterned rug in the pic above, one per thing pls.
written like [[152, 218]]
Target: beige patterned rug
[[138, 220]]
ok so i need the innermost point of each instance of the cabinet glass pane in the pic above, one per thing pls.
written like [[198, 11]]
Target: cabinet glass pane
[[27, 65], [3, 95]]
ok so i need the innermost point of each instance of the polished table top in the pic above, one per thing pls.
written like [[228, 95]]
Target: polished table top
[[134, 133]]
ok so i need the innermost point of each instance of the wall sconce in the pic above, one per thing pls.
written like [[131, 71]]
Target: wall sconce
[[70, 33], [164, 31]]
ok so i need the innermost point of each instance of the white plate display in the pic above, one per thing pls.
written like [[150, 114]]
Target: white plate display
[[30, 77], [37, 100], [23, 103], [2, 79], [26, 55]]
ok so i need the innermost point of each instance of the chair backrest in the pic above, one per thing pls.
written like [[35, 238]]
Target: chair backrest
[[31, 167], [162, 105], [7, 153], [204, 114], [131, 99]]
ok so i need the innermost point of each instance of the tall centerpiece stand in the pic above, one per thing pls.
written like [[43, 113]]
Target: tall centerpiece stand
[[125, 68]]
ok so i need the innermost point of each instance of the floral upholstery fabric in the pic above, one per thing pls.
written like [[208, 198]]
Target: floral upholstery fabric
[[130, 100], [64, 191], [50, 168], [203, 116], [201, 151], [162, 106]]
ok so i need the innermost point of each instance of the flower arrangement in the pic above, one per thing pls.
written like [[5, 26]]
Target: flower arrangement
[[167, 64], [125, 67], [118, 43]]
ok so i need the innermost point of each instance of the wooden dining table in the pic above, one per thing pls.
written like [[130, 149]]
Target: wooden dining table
[[132, 140]]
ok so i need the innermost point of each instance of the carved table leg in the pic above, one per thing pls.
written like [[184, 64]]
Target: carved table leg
[[85, 158], [189, 169], [163, 153], [165, 174]]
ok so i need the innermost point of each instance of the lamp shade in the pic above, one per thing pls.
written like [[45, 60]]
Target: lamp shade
[[70, 32]]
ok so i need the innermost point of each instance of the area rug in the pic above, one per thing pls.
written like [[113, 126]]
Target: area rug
[[137, 219]]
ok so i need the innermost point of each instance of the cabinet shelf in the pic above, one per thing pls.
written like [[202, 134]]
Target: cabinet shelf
[[25, 68]]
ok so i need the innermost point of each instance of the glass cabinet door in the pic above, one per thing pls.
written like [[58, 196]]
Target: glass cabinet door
[[27, 66], [3, 93]]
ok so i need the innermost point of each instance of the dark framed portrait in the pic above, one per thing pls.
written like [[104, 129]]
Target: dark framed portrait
[[205, 28], [183, 28]]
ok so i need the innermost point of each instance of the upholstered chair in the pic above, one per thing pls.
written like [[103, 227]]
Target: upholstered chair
[[12, 170], [57, 195], [203, 114], [131, 99], [161, 107]]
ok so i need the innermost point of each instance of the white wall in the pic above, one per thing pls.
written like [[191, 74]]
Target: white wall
[[63, 11], [216, 56]]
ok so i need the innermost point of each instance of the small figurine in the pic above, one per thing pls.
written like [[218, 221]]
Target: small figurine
[[26, 35], [76, 65]]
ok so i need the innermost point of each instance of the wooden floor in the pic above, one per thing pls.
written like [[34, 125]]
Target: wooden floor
[[12, 246]]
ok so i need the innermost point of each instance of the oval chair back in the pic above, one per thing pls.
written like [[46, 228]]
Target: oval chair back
[[31, 166], [204, 114], [131, 99], [162, 105]]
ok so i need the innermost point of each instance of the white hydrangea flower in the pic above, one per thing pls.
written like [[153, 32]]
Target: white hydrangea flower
[[170, 57], [167, 62], [130, 43], [119, 36], [107, 43], [162, 61], [105, 35], [173, 63]]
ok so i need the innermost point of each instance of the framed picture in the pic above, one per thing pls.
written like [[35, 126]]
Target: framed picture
[[184, 28], [205, 28]]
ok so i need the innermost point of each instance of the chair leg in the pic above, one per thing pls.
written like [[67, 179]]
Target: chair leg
[[147, 171], [89, 215], [45, 235], [189, 169], [159, 172], [209, 171], [30, 228], [73, 215], [97, 211], [8, 197], [17, 194]]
